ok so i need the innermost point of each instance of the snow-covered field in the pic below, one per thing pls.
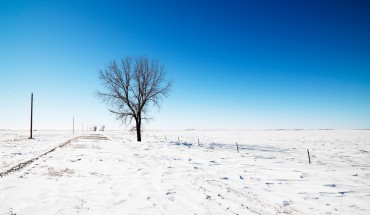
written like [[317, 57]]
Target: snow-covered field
[[170, 173]]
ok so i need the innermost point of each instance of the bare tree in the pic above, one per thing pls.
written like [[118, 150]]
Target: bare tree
[[132, 86], [102, 128]]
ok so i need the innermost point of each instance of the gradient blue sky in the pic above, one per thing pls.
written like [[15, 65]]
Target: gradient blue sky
[[235, 64]]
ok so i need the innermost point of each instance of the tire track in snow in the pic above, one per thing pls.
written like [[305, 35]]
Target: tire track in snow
[[21, 165]]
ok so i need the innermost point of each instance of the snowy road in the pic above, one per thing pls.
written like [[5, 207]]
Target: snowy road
[[112, 174]]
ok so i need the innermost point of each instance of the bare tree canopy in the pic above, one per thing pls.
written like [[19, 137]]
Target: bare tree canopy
[[131, 87]]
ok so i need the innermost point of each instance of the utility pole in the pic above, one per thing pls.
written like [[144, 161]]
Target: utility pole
[[31, 116], [73, 125]]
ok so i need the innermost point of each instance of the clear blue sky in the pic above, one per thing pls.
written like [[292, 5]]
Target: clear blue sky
[[235, 64]]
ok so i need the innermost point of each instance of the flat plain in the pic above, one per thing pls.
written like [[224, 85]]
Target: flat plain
[[185, 172]]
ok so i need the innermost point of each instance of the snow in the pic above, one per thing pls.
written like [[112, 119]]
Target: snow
[[170, 173]]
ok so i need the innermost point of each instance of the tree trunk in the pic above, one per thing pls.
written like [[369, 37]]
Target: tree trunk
[[138, 131]]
